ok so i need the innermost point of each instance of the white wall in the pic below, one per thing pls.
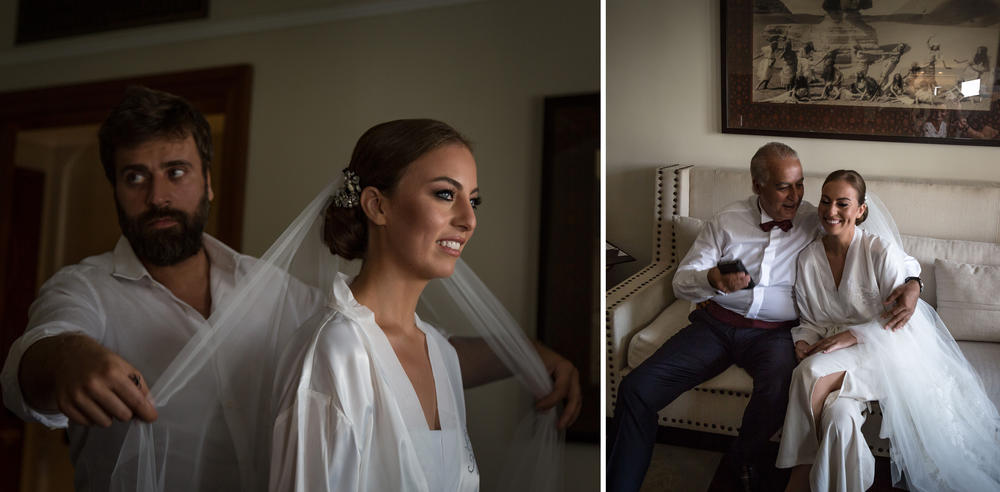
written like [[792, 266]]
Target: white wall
[[664, 107], [483, 66]]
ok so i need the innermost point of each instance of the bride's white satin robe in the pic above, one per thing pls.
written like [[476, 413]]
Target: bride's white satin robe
[[944, 431], [348, 418], [842, 460]]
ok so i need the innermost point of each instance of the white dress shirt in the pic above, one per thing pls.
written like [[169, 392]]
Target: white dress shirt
[[770, 258], [113, 299], [348, 418]]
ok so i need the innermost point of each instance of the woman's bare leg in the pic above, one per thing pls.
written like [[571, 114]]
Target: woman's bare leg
[[798, 481], [824, 386]]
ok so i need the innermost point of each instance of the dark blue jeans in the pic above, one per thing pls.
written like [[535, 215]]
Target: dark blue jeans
[[694, 355]]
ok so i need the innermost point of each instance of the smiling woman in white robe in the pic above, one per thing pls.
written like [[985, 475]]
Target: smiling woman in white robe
[[370, 397], [944, 430], [349, 419], [841, 458]]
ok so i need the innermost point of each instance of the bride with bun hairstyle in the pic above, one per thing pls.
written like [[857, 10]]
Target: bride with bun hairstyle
[[368, 396], [943, 428]]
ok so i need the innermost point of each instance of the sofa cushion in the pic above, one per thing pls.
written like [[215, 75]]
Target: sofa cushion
[[686, 230], [967, 300], [666, 324], [732, 379], [669, 322], [985, 358], [926, 250]]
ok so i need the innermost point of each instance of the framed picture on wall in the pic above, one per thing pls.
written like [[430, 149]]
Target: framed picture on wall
[[894, 70], [40, 20]]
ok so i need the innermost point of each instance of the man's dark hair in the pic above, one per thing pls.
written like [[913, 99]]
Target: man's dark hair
[[145, 114]]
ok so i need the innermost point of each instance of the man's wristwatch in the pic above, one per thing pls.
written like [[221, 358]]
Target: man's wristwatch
[[919, 282]]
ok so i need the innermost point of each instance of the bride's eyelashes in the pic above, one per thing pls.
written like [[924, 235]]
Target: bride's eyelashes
[[839, 203], [446, 195], [449, 195]]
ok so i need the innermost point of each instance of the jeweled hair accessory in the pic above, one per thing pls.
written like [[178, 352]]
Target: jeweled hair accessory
[[348, 195]]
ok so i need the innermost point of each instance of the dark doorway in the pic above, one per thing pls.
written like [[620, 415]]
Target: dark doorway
[[19, 289], [568, 270]]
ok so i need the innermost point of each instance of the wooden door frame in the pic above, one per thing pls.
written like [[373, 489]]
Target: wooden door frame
[[7, 137], [567, 121], [225, 90]]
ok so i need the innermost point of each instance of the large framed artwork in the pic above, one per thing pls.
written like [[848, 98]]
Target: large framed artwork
[[899, 70]]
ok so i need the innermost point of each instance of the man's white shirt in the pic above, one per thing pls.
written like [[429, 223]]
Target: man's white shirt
[[113, 299], [769, 256]]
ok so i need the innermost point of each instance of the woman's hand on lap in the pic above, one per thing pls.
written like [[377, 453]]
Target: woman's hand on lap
[[833, 343]]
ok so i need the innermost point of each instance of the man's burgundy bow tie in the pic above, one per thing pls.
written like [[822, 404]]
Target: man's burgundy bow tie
[[784, 225]]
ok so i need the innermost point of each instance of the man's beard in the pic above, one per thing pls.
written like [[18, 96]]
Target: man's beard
[[168, 246]]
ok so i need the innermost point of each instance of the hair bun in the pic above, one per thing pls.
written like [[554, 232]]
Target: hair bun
[[345, 231]]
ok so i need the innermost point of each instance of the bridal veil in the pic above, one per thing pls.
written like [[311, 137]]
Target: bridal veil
[[943, 428], [237, 355]]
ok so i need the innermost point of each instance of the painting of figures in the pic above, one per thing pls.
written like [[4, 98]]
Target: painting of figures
[[921, 71], [895, 53]]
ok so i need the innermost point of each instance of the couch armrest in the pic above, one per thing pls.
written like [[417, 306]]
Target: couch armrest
[[631, 305]]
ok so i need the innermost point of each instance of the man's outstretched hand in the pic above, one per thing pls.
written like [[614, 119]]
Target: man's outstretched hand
[[88, 383], [565, 386], [480, 365]]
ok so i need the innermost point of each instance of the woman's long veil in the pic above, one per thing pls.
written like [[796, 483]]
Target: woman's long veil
[[223, 378], [943, 428], [536, 446]]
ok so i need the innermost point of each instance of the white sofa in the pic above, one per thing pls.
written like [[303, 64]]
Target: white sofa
[[951, 228]]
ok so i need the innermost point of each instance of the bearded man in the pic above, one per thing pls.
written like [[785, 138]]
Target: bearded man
[[103, 330]]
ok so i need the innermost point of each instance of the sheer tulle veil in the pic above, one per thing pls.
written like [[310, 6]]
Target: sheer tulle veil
[[943, 428], [236, 357]]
